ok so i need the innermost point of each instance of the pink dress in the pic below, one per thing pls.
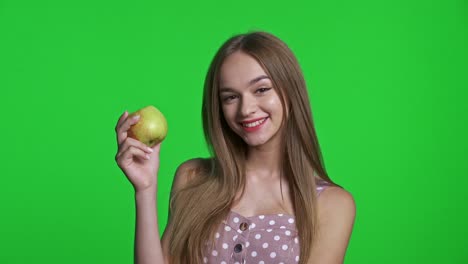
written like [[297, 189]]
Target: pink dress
[[262, 239]]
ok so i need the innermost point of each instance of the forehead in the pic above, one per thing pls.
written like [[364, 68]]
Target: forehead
[[238, 69]]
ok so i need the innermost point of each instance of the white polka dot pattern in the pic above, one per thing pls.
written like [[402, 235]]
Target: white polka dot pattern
[[257, 239]]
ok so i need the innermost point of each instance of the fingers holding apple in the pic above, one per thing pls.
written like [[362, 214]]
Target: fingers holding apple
[[139, 137], [126, 156], [118, 130], [130, 142], [124, 124], [122, 127]]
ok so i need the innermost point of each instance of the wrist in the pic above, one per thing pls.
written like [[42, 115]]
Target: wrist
[[148, 193]]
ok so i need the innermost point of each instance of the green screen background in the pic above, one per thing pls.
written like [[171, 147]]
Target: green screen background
[[387, 82]]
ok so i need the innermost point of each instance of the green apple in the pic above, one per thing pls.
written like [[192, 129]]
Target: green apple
[[151, 128]]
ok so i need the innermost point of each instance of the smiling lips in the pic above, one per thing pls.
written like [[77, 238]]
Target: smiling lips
[[253, 125]]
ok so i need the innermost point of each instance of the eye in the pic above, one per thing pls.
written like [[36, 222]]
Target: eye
[[262, 90], [229, 98]]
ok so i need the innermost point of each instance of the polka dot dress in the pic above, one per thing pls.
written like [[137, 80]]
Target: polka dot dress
[[262, 239]]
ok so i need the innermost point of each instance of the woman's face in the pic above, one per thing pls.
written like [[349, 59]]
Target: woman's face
[[251, 107]]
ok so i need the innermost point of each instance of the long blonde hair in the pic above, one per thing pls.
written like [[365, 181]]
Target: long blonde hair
[[199, 207]]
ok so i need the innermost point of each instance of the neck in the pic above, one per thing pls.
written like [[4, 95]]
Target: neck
[[264, 161]]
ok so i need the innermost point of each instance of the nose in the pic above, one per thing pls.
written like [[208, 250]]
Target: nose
[[247, 106]]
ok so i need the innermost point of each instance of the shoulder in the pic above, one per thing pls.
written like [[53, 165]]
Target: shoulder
[[336, 214], [336, 209], [189, 170], [337, 200]]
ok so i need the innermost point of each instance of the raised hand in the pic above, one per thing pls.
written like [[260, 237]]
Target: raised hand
[[139, 162]]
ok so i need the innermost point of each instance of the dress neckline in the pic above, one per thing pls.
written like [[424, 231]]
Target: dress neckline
[[265, 215]]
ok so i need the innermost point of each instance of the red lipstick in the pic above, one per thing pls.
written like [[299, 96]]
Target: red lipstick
[[255, 127]]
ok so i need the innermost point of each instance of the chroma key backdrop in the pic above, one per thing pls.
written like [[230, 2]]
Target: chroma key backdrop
[[387, 83]]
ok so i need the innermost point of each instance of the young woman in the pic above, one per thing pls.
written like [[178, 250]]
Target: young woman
[[264, 195]]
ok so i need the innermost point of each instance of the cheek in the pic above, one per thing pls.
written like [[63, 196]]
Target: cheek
[[228, 113], [273, 104]]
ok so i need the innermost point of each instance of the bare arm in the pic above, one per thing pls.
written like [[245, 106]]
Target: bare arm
[[140, 164], [148, 249], [336, 214]]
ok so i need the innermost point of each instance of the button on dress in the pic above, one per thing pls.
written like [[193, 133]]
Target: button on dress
[[261, 239]]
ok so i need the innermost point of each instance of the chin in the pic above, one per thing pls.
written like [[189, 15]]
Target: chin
[[255, 142]]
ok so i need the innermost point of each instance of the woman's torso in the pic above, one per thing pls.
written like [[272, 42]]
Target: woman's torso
[[268, 238]]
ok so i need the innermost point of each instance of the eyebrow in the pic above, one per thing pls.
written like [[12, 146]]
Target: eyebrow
[[251, 82]]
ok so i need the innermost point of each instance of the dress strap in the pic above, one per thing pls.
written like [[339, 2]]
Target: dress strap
[[321, 185]]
